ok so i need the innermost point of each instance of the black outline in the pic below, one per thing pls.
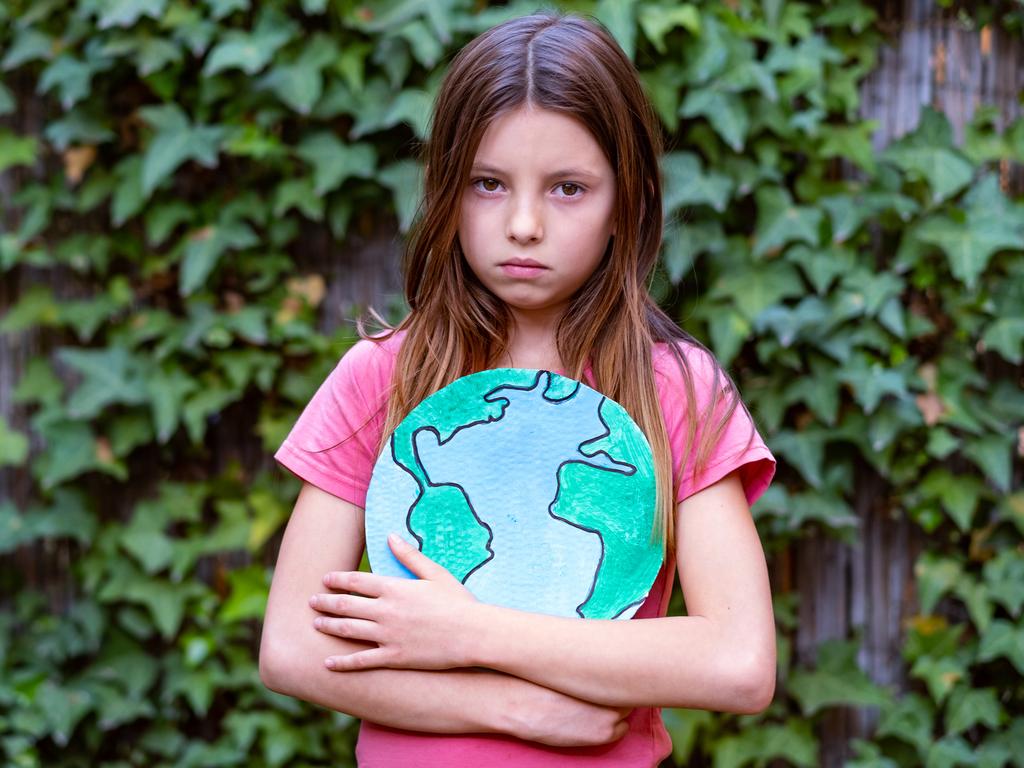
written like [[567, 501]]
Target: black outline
[[558, 480], [629, 469]]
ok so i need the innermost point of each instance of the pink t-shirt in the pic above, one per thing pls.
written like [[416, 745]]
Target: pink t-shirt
[[327, 448]]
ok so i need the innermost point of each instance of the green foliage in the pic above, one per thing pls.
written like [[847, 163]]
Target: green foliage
[[875, 324]]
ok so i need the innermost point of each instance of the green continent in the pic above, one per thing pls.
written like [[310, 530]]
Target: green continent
[[620, 507], [455, 538]]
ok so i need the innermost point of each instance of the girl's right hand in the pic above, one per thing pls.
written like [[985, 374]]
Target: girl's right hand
[[558, 720]]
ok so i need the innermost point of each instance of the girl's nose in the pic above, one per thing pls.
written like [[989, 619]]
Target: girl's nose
[[524, 224]]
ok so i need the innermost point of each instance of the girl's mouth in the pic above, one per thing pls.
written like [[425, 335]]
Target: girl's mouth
[[522, 270]]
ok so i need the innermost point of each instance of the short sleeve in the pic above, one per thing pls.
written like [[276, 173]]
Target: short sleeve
[[333, 444], [740, 445]]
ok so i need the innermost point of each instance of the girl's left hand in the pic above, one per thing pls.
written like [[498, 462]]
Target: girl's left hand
[[417, 623]]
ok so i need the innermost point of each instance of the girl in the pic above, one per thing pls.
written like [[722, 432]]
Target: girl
[[544, 144]]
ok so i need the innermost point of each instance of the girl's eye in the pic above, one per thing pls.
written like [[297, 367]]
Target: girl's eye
[[487, 181], [575, 187]]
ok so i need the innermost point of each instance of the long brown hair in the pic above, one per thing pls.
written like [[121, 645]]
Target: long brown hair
[[569, 64]]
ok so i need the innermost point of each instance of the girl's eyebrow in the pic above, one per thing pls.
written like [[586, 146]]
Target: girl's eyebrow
[[478, 168]]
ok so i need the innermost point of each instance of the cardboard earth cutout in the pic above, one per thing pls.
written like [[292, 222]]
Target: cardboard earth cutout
[[534, 490]]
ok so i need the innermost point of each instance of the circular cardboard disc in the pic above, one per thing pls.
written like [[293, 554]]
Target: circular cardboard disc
[[534, 490]]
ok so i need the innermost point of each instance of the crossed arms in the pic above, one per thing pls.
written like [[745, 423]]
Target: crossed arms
[[563, 682]]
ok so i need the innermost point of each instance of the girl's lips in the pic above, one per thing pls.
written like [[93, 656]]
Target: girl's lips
[[521, 270]]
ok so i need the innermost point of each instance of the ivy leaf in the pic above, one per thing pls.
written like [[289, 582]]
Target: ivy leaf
[[821, 265], [851, 142], [790, 323], [13, 445], [975, 595], [405, 180], [299, 84], [298, 193], [220, 9], [16, 150], [162, 218], [110, 375], [166, 601], [993, 454], [837, 680], [248, 598], [780, 221], [804, 450], [728, 330], [757, 287], [871, 289], [128, 198], [1004, 639], [686, 183], [707, 54], [7, 103], [936, 575], [870, 381], [1006, 336], [819, 391], [792, 741], [970, 240], [200, 406], [71, 450], [36, 306], [948, 752], [333, 162], [63, 707], [72, 77], [958, 494], [175, 142], [967, 707], [390, 14], [167, 389], [125, 13], [724, 111], [150, 547], [619, 16], [83, 125], [910, 720], [927, 153], [205, 247], [251, 52], [1004, 575], [940, 674], [29, 44], [682, 243], [656, 21]]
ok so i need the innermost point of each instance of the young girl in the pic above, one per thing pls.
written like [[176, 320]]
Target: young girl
[[541, 224]]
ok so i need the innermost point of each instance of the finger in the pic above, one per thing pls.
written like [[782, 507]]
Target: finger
[[369, 659], [353, 629], [370, 584], [416, 561], [345, 605]]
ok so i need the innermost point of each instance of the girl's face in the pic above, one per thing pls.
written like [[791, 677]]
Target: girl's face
[[540, 192]]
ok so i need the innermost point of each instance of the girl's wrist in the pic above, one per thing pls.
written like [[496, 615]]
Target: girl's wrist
[[475, 636]]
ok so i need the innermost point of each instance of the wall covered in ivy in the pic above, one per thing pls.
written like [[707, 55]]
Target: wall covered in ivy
[[183, 187]]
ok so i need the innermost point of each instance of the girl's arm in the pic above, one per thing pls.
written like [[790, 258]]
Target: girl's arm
[[325, 532], [721, 656]]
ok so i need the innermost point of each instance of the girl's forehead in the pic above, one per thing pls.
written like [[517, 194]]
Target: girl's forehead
[[535, 138]]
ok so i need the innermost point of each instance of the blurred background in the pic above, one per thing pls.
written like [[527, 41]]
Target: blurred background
[[196, 198]]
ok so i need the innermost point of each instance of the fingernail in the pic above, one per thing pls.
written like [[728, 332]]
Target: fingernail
[[312, 601], [329, 663]]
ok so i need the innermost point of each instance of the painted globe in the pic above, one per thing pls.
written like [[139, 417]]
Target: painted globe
[[534, 490]]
